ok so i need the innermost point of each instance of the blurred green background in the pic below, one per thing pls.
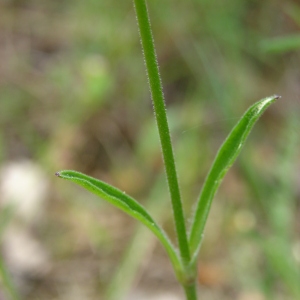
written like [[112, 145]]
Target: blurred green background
[[74, 95]]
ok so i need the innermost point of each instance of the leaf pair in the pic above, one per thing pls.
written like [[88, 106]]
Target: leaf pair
[[226, 156]]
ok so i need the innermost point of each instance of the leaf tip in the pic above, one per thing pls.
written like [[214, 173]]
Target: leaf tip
[[276, 97], [57, 174]]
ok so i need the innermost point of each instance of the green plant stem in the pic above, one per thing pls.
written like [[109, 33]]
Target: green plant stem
[[190, 292], [162, 124]]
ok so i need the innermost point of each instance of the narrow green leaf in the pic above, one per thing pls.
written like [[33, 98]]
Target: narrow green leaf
[[226, 156], [125, 203]]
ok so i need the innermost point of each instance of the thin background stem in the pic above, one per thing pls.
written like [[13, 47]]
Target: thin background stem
[[162, 124]]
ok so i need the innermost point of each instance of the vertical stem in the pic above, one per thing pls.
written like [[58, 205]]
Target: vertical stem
[[190, 292], [162, 124]]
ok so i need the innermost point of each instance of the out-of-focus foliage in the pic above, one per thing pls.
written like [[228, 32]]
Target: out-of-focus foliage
[[73, 94]]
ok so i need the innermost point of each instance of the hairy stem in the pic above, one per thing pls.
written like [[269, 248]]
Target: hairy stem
[[162, 124]]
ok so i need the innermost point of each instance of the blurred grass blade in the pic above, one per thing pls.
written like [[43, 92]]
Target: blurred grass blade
[[6, 215], [125, 203], [140, 250], [7, 282], [279, 256], [281, 45], [223, 161]]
